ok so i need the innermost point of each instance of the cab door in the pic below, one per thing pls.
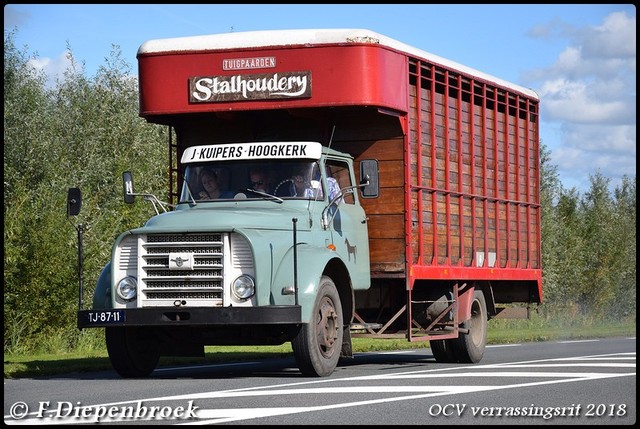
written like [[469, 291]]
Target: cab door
[[347, 221]]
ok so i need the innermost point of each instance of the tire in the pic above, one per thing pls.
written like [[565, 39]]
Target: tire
[[317, 346], [469, 348], [133, 352], [442, 351]]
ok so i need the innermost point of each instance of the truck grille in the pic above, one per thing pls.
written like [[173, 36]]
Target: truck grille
[[166, 284]]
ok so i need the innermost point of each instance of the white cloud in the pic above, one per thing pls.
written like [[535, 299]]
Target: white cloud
[[590, 91], [587, 148], [615, 38], [53, 68], [581, 102]]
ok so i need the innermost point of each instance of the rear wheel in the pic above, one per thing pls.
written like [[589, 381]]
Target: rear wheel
[[133, 351], [469, 347], [442, 350], [317, 346]]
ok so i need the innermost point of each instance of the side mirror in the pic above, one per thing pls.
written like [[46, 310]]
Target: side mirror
[[74, 201], [369, 185], [129, 193]]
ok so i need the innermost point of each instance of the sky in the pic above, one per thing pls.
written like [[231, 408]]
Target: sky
[[579, 59]]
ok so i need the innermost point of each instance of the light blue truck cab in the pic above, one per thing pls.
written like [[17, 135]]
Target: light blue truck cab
[[273, 254]]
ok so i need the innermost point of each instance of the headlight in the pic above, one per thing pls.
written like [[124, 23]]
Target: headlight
[[243, 287], [127, 288]]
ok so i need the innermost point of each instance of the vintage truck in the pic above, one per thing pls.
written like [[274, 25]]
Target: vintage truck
[[362, 187]]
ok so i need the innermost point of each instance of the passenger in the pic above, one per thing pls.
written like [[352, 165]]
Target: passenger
[[211, 188], [334, 187], [301, 186]]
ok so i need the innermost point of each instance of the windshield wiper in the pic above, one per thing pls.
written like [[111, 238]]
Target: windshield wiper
[[266, 195]]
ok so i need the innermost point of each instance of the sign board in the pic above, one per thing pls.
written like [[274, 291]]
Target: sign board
[[257, 150]]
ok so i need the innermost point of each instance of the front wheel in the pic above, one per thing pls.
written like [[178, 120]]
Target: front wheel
[[133, 351], [317, 346]]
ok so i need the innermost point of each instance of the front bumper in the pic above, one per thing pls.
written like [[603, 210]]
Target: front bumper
[[196, 316]]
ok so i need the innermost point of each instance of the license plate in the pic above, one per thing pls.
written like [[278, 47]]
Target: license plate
[[99, 317]]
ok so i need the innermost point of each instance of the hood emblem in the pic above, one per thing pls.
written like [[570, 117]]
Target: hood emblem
[[181, 261]]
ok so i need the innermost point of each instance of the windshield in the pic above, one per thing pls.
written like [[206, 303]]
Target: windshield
[[285, 179]]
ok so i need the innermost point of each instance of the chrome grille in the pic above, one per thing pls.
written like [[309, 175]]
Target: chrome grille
[[200, 284]]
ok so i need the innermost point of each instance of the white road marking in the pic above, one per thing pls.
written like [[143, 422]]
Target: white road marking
[[210, 416]]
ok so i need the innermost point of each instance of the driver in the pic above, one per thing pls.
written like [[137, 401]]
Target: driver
[[260, 181]]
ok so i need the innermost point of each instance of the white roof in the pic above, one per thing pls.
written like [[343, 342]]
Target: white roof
[[265, 38]]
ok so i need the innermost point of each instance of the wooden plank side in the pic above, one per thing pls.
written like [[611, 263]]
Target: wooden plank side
[[386, 212], [477, 179]]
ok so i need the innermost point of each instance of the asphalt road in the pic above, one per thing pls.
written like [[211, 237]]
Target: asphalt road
[[589, 382]]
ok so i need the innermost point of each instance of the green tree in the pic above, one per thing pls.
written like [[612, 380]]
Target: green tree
[[560, 240], [623, 303], [83, 132], [599, 248]]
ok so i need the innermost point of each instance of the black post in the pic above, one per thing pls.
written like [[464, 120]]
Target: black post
[[74, 202], [295, 259], [80, 270]]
